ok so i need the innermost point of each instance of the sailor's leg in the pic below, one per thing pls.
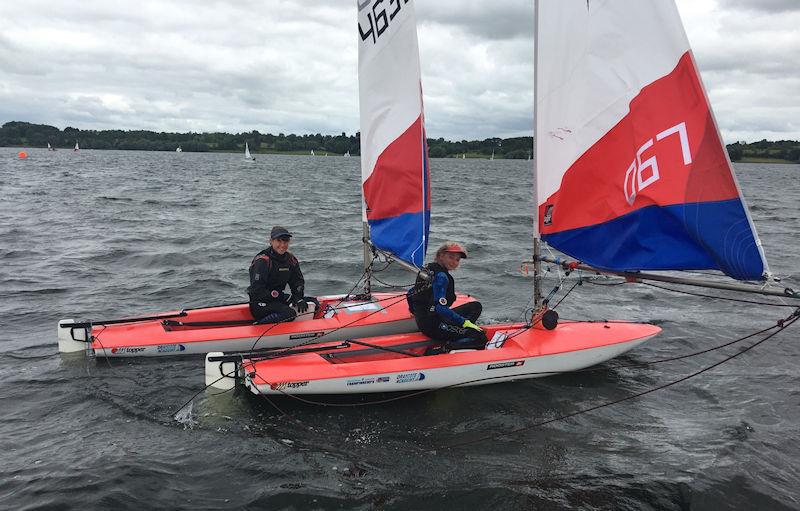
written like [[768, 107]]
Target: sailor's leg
[[470, 311]]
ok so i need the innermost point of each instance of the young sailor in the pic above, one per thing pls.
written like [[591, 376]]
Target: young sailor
[[271, 271], [431, 300]]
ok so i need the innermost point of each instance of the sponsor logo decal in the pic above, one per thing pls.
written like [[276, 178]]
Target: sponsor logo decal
[[503, 365], [407, 377], [274, 294], [170, 348], [128, 350], [288, 385], [548, 214], [368, 380], [307, 335], [443, 301]]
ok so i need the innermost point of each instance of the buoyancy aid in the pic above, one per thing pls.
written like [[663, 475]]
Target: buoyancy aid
[[270, 273], [421, 295]]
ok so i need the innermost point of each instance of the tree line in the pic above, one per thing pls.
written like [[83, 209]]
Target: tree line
[[787, 150], [24, 134]]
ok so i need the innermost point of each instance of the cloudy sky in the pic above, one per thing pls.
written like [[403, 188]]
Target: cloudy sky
[[290, 65]]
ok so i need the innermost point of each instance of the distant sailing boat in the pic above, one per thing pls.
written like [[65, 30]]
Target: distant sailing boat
[[178, 149], [492, 157], [77, 148], [347, 153], [247, 152], [49, 147], [463, 156], [312, 152]]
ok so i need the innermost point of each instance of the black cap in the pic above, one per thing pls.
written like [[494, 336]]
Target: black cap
[[279, 232]]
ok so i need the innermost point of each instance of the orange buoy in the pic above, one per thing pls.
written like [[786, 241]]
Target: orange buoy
[[23, 154]]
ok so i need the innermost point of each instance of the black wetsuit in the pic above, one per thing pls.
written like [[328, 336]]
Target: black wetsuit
[[430, 303], [270, 273]]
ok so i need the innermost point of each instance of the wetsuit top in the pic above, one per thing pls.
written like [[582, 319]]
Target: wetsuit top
[[431, 301], [270, 272]]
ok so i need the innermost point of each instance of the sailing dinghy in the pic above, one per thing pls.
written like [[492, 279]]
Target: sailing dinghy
[[232, 328], [630, 174], [247, 155], [396, 221]]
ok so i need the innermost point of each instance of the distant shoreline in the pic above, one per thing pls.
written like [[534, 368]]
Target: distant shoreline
[[323, 154], [27, 135]]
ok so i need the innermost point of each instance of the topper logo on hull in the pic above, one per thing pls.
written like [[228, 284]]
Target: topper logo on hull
[[638, 177]]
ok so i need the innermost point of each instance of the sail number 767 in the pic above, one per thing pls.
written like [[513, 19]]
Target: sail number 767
[[641, 174]]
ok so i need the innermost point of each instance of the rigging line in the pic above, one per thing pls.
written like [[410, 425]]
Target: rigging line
[[717, 297], [391, 285], [591, 281], [576, 284], [782, 326], [287, 415], [206, 387]]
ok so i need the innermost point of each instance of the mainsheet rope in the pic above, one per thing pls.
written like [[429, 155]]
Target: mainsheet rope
[[781, 325]]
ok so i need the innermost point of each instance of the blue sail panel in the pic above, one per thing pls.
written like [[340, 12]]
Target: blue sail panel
[[404, 236], [678, 237]]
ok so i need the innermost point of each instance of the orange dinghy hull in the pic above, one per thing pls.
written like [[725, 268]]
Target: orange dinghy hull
[[231, 328], [395, 363]]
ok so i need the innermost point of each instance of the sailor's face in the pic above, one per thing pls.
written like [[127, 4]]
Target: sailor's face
[[451, 260], [280, 245]]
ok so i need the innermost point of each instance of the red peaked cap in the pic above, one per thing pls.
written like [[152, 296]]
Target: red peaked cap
[[455, 248]]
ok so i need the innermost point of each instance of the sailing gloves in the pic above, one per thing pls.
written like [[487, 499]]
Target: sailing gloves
[[301, 305], [470, 324]]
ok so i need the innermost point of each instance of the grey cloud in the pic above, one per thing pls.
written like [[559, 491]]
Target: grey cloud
[[772, 6], [498, 19], [290, 66]]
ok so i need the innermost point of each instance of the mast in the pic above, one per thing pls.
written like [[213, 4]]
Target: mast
[[367, 252], [537, 265]]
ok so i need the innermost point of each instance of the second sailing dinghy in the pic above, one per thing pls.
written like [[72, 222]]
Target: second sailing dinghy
[[247, 155], [630, 175], [396, 213]]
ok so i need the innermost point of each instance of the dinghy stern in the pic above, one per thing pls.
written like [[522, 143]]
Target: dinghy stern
[[72, 339], [220, 374]]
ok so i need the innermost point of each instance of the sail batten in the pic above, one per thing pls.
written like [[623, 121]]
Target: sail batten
[[631, 172], [394, 156]]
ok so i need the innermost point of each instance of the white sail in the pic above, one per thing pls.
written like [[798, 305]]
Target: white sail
[[623, 125], [394, 155], [247, 152]]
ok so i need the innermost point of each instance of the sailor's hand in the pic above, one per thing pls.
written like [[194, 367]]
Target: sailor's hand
[[470, 324], [301, 305]]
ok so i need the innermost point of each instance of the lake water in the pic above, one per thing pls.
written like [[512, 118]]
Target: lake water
[[104, 234]]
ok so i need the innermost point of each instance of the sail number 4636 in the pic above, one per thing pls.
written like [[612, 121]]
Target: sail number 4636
[[637, 178], [383, 12]]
